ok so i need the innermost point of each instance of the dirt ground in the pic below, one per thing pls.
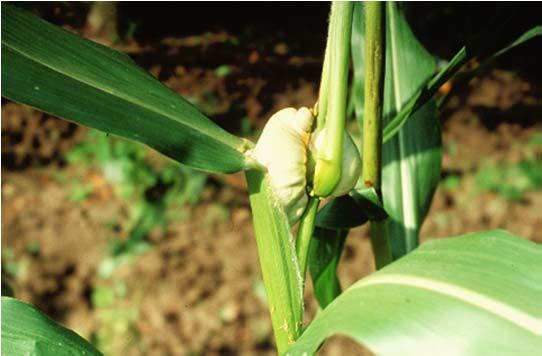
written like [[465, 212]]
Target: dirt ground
[[198, 290]]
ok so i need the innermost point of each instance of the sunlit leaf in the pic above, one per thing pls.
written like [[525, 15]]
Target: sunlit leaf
[[478, 294]]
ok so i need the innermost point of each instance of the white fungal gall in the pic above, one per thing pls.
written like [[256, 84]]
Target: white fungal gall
[[282, 149]]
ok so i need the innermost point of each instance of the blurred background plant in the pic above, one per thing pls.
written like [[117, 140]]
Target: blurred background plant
[[512, 180], [155, 190]]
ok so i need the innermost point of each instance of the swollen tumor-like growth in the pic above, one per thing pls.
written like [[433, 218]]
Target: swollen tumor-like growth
[[284, 148]]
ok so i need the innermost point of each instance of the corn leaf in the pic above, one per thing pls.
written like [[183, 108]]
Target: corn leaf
[[278, 261], [486, 46], [341, 213], [483, 47], [60, 73], [478, 294], [27, 331], [325, 252], [332, 225], [411, 158]]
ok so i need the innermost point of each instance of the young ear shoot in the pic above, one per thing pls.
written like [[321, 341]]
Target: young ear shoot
[[284, 148]]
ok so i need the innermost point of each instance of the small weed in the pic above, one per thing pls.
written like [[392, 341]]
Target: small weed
[[155, 190], [223, 70], [511, 181], [451, 182], [131, 30], [451, 148], [80, 192], [11, 266], [33, 248]]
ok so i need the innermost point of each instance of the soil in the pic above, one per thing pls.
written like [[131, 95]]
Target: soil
[[198, 290]]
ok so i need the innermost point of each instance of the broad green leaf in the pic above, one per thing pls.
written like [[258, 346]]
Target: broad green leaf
[[325, 252], [60, 73], [278, 260], [411, 159], [478, 294], [27, 331]]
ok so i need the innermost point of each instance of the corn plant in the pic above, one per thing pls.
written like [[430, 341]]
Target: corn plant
[[475, 294]]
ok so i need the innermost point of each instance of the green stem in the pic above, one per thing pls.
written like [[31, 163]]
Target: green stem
[[328, 164], [372, 122], [304, 235], [324, 90]]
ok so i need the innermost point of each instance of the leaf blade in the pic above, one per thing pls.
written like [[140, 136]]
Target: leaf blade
[[411, 159], [429, 89], [60, 73], [26, 330], [325, 253], [475, 294]]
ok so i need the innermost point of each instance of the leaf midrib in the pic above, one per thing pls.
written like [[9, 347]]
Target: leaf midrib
[[495, 307]]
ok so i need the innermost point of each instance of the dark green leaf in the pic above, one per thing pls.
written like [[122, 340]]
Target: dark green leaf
[[325, 253], [340, 213], [348, 211], [60, 73], [368, 201], [332, 224], [411, 159], [27, 331], [478, 294]]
